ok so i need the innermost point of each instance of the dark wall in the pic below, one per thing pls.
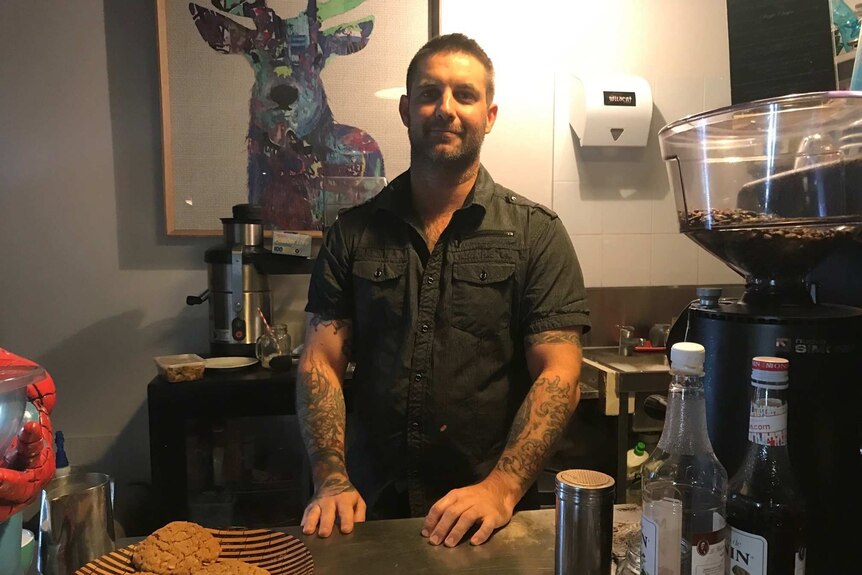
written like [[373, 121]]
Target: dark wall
[[779, 47]]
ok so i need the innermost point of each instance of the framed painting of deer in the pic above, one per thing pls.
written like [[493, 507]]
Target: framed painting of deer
[[291, 105]]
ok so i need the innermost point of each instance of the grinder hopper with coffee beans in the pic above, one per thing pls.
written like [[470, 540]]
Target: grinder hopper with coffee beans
[[773, 187]]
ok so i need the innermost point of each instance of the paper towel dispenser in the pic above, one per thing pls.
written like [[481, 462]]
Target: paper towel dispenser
[[611, 110]]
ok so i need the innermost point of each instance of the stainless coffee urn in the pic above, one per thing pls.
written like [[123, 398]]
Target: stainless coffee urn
[[238, 292]]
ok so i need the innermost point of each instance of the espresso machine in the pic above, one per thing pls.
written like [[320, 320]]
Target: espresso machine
[[238, 291], [771, 188]]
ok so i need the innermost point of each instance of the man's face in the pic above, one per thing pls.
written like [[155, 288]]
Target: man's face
[[447, 113]]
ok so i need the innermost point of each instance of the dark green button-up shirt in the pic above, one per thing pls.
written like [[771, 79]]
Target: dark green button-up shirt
[[438, 338]]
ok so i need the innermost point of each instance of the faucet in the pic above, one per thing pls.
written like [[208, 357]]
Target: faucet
[[628, 342]]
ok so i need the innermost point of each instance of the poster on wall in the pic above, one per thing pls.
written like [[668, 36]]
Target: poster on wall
[[288, 105]]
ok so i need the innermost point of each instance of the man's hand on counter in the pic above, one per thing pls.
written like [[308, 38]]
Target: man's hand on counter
[[489, 504], [336, 498]]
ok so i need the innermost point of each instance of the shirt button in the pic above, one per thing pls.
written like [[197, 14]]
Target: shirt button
[[483, 275], [418, 376], [430, 280], [425, 327], [414, 424], [378, 272]]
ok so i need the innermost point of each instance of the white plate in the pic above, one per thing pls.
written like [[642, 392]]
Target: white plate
[[229, 362]]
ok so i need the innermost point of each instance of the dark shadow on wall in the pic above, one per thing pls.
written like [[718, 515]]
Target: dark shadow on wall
[[609, 173], [133, 84], [96, 391]]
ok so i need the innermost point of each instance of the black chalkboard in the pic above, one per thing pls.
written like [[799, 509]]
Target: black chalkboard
[[779, 47]]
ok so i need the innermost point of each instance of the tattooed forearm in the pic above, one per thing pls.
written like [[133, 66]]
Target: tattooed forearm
[[318, 322], [556, 336], [321, 414], [538, 424]]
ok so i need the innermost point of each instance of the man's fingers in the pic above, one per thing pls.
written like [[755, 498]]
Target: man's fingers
[[482, 533], [444, 525], [327, 518], [359, 515], [465, 522], [310, 519], [345, 514], [435, 513]]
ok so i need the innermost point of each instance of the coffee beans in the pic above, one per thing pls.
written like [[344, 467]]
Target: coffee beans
[[778, 248]]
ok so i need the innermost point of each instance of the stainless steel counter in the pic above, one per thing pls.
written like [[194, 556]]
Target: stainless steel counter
[[525, 546]]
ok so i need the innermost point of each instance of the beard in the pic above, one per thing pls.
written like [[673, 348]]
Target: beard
[[456, 155]]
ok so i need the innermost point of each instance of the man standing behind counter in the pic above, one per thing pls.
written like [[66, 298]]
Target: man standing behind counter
[[462, 305]]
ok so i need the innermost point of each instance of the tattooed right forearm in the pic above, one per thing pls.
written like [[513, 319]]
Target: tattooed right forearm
[[321, 413]]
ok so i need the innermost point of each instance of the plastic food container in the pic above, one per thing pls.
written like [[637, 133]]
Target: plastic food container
[[182, 367]]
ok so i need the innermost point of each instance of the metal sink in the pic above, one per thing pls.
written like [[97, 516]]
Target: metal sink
[[639, 362]]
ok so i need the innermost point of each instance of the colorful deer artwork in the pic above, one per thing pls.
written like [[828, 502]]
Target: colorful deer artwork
[[294, 142]]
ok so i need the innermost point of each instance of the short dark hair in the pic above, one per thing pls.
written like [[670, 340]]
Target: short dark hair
[[450, 43]]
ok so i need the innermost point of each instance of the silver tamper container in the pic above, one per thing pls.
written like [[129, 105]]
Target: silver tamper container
[[584, 522]]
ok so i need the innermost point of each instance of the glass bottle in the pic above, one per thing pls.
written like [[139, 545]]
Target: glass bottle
[[635, 457], [631, 563], [684, 486], [273, 348], [765, 509]]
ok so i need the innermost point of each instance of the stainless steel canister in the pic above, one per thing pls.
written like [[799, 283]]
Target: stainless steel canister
[[584, 522], [76, 522]]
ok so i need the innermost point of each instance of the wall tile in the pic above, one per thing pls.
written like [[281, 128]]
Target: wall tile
[[716, 92], [673, 260], [677, 97], [579, 216], [664, 216], [629, 216], [711, 270], [625, 260], [565, 164], [589, 251]]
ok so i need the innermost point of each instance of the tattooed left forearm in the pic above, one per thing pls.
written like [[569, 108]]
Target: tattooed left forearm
[[540, 421]]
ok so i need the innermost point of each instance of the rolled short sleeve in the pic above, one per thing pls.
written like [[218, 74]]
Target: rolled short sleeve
[[554, 292], [329, 293]]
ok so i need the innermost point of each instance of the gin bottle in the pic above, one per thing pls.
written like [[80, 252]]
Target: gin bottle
[[684, 485], [765, 509]]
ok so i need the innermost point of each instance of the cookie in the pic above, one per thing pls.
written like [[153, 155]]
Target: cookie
[[231, 567], [178, 548]]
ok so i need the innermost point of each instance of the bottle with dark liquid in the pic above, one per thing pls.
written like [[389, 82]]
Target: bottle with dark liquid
[[765, 509]]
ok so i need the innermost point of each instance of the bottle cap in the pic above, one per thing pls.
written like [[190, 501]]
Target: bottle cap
[[769, 370], [640, 448], [687, 357]]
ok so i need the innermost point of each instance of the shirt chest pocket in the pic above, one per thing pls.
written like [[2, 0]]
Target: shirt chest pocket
[[482, 296], [380, 293]]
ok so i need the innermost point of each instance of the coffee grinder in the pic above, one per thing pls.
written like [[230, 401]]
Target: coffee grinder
[[238, 291], [771, 188]]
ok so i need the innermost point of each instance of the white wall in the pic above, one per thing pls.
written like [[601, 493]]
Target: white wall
[[616, 203]]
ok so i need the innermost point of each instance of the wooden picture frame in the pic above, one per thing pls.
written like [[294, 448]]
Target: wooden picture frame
[[285, 104]]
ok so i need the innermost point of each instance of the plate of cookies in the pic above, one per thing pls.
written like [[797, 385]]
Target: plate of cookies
[[186, 548]]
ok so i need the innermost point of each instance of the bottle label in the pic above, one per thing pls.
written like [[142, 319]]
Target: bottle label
[[767, 423], [661, 529], [799, 565], [747, 553], [708, 553]]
